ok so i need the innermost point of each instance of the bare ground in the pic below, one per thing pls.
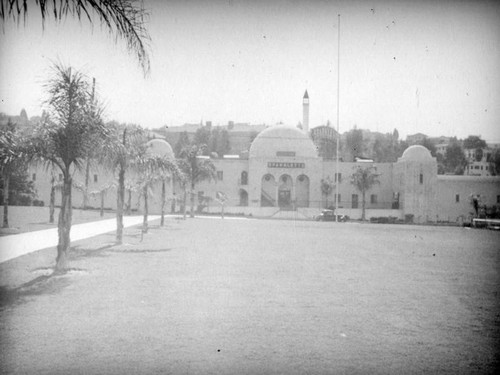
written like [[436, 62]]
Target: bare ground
[[209, 296]]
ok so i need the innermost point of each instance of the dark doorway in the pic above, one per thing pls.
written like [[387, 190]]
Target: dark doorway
[[285, 199]]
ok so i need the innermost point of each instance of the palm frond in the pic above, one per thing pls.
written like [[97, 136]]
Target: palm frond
[[124, 19]]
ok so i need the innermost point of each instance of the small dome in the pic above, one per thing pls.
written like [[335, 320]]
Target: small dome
[[417, 153], [284, 139], [160, 147]]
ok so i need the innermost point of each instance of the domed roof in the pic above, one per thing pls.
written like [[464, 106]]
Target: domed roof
[[160, 147], [282, 138], [417, 153]]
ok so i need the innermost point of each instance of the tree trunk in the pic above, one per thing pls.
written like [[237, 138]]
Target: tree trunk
[[145, 220], [184, 204], [120, 197], [6, 181], [162, 203], [86, 187], [52, 202], [102, 203], [64, 224], [363, 206], [129, 202], [192, 201]]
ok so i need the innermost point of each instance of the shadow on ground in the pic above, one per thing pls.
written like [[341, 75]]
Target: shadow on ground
[[42, 285], [52, 282]]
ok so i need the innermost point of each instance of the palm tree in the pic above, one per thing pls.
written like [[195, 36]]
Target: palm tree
[[12, 158], [117, 153], [196, 169], [64, 138], [364, 179], [165, 178], [152, 168], [101, 192], [124, 18], [130, 187]]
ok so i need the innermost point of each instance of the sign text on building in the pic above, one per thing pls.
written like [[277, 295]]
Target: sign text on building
[[277, 164]]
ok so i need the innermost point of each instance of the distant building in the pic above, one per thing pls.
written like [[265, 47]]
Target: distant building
[[479, 164], [282, 172], [241, 135], [441, 148], [415, 138], [22, 122]]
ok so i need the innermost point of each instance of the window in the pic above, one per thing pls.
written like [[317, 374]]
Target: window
[[355, 201], [421, 178], [220, 175], [498, 198], [338, 177], [339, 198], [95, 178], [33, 177], [457, 198], [373, 199], [244, 178]]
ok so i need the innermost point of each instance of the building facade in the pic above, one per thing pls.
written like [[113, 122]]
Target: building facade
[[283, 172]]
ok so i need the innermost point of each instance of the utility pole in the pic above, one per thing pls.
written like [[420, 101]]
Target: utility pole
[[337, 180]]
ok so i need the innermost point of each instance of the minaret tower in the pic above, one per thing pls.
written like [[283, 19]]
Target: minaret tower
[[305, 113]]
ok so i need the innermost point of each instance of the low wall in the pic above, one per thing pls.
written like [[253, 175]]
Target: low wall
[[307, 213], [356, 213]]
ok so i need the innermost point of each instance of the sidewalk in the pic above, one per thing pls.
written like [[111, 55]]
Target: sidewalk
[[14, 246]]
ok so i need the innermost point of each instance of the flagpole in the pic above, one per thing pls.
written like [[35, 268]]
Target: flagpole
[[337, 179]]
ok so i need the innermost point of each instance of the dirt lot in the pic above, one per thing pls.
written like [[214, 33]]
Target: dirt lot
[[211, 296]]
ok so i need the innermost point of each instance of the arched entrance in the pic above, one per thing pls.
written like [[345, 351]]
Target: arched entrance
[[243, 197], [268, 191], [302, 191], [285, 192]]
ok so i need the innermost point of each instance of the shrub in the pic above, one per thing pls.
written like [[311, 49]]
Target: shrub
[[38, 203]]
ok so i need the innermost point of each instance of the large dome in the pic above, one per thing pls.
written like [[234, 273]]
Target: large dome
[[417, 153], [160, 147], [289, 140]]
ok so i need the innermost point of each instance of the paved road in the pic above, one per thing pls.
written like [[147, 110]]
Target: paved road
[[16, 245]]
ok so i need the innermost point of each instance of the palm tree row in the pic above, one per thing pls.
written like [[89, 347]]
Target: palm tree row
[[70, 130], [72, 135]]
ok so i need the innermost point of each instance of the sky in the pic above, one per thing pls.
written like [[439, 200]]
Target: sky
[[418, 66]]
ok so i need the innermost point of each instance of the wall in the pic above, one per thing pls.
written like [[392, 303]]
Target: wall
[[434, 200], [417, 197], [383, 190], [448, 187]]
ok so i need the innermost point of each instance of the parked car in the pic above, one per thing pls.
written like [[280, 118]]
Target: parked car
[[329, 215]]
